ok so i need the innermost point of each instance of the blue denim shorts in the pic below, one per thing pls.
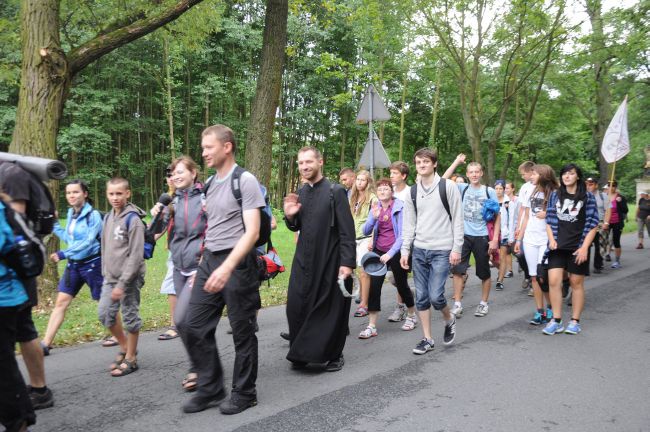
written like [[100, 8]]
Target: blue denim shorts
[[430, 272]]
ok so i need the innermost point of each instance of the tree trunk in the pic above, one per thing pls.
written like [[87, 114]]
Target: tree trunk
[[267, 93], [601, 76], [402, 116], [188, 106], [434, 114], [168, 97], [44, 80], [44, 85]]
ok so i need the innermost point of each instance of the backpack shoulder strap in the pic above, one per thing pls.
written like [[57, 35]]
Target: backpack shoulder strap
[[206, 186], [442, 188], [414, 197], [129, 217], [235, 178], [462, 195]]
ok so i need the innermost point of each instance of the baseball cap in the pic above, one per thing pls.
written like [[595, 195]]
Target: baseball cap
[[591, 180]]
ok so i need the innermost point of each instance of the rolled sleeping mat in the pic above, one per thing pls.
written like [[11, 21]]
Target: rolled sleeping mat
[[44, 169]]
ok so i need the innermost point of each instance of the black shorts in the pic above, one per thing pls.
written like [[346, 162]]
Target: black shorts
[[478, 246], [25, 328], [565, 259]]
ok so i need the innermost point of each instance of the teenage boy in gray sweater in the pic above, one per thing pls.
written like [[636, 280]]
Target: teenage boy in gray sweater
[[434, 231], [123, 270]]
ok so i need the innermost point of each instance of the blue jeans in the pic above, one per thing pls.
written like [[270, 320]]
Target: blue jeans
[[430, 272]]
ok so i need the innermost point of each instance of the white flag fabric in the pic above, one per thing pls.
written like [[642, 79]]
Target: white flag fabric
[[616, 143]]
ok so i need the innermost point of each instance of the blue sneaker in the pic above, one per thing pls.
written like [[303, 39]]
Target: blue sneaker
[[538, 319], [616, 264], [549, 314], [573, 328], [553, 327]]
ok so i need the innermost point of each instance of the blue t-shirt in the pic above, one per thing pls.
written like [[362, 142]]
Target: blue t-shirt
[[473, 200], [12, 292]]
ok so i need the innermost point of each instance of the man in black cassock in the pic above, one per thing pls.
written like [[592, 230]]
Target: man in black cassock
[[317, 311]]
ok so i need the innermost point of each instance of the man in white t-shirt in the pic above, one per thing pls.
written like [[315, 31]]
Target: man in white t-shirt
[[525, 171], [399, 172]]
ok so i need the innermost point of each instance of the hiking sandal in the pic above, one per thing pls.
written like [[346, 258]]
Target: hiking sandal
[[121, 356], [125, 368]]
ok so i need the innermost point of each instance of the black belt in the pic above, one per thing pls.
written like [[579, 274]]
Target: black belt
[[221, 252], [85, 260]]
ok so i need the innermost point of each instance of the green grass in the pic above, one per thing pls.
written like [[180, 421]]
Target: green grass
[[81, 323], [630, 222]]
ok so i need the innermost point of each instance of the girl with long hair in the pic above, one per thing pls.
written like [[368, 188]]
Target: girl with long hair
[[514, 207], [532, 236], [362, 198], [167, 286], [572, 222], [84, 266], [507, 211], [185, 233]]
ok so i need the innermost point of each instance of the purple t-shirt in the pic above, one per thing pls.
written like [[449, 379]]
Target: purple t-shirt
[[385, 232]]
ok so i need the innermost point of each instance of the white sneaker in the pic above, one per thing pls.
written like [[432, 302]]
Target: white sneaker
[[410, 323], [481, 310], [457, 310], [399, 314]]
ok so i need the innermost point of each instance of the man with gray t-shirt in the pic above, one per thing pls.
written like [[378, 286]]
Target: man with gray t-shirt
[[227, 276]]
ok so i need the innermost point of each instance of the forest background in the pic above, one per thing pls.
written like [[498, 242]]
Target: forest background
[[501, 81]]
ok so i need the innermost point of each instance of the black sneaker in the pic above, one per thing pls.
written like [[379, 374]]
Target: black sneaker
[[508, 275], [201, 403], [424, 346], [450, 331], [499, 286], [285, 335], [235, 405], [598, 270], [608, 258], [335, 365], [40, 399]]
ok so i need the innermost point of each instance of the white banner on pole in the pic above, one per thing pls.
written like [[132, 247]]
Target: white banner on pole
[[616, 143]]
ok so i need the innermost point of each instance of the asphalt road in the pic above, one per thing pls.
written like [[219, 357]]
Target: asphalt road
[[501, 374]]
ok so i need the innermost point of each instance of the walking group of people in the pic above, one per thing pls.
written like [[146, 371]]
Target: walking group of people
[[431, 229]]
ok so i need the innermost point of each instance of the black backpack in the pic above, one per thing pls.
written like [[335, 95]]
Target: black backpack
[[27, 256], [40, 208], [265, 219], [442, 189]]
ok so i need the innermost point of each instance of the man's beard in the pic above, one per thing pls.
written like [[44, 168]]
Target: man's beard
[[310, 175]]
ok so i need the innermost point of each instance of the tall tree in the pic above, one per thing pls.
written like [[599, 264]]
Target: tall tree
[[267, 93], [503, 55], [47, 70]]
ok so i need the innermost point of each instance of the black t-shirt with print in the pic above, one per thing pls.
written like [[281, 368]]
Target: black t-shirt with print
[[571, 222]]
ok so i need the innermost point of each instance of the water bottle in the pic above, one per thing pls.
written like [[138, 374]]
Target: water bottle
[[24, 255]]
